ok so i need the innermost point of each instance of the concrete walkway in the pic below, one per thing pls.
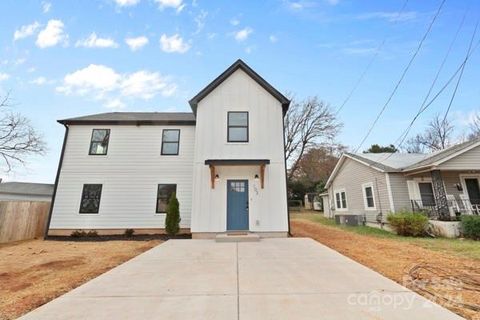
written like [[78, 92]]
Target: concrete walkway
[[271, 279]]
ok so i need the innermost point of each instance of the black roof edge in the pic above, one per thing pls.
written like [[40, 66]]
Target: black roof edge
[[128, 122], [232, 162], [239, 64]]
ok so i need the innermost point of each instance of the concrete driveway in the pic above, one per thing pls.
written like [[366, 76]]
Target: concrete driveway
[[272, 279]]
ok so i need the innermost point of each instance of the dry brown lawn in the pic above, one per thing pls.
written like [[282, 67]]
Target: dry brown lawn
[[35, 272], [394, 257]]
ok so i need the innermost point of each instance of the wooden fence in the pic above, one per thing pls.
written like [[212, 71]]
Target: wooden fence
[[21, 220]]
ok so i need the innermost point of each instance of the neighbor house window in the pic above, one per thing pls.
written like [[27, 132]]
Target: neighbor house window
[[426, 193], [369, 198], [341, 200], [170, 142], [91, 194], [164, 193], [99, 142], [237, 126]]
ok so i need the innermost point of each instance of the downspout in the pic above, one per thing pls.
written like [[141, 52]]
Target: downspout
[[286, 173], [47, 227]]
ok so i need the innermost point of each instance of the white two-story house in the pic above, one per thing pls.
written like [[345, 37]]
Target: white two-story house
[[225, 161]]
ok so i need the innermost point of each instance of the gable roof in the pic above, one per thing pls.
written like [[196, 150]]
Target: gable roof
[[27, 188], [239, 64], [404, 162], [134, 118]]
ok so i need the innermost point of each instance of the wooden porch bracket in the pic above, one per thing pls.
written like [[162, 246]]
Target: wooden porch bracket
[[262, 175], [212, 176]]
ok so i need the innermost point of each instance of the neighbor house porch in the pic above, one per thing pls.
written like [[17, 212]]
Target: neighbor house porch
[[445, 194]]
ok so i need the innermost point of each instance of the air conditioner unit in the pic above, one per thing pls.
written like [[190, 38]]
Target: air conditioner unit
[[349, 219]]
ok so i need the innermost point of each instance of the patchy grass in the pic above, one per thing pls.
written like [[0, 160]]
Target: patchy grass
[[461, 247], [35, 272]]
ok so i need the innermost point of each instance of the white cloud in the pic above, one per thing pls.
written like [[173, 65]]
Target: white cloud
[[4, 76], [333, 2], [389, 16], [136, 43], [178, 5], [52, 35], [26, 31], [126, 3], [93, 41], [273, 38], [104, 84], [19, 61], [39, 81], [249, 49], [46, 6], [200, 21], [173, 43], [234, 22], [242, 35]]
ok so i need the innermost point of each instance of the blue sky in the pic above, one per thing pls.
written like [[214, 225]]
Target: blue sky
[[68, 58]]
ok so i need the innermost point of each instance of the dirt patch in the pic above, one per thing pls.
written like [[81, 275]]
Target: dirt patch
[[35, 272], [396, 260]]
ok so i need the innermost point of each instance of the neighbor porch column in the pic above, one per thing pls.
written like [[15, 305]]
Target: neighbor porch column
[[440, 195]]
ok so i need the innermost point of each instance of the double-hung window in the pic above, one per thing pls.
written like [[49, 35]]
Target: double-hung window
[[368, 196], [237, 126], [99, 142], [170, 142], [426, 194], [90, 201], [341, 200], [164, 192]]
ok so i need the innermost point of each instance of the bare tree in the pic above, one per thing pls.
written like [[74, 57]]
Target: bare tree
[[18, 139], [475, 127], [307, 123], [437, 136]]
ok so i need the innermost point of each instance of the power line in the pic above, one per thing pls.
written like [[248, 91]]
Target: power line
[[362, 75], [403, 75], [461, 73], [404, 134]]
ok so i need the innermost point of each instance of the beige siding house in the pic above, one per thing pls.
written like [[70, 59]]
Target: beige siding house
[[443, 184]]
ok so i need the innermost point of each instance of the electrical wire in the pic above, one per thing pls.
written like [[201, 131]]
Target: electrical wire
[[403, 75]]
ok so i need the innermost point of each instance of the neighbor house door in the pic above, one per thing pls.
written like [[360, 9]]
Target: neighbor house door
[[237, 204], [473, 190]]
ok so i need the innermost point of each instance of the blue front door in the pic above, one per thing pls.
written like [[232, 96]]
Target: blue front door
[[237, 204]]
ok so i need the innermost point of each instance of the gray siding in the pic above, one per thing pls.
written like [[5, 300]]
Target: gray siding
[[350, 177], [398, 185], [469, 160]]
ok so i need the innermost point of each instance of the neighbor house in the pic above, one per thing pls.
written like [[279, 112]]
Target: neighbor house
[[224, 161], [25, 191], [442, 184]]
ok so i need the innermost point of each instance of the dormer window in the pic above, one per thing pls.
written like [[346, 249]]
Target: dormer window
[[237, 126]]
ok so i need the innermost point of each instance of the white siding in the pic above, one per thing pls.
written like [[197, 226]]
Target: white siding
[[130, 173], [268, 206], [351, 176]]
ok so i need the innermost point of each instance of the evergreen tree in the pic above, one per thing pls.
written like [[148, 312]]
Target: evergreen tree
[[172, 220]]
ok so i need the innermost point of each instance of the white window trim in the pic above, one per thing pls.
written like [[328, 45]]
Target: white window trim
[[335, 199], [365, 203], [464, 184]]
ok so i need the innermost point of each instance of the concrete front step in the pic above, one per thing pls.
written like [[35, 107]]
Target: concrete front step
[[237, 237]]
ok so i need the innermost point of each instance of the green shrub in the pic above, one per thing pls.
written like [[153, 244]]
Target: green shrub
[[408, 223], [92, 233], [172, 220], [78, 234], [129, 232], [471, 227]]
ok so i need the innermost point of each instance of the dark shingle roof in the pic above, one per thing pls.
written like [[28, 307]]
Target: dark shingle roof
[[239, 64], [27, 188], [135, 118]]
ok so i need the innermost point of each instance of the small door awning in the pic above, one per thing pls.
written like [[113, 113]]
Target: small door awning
[[212, 163]]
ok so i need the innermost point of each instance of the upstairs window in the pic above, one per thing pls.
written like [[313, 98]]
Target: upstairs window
[[341, 200], [237, 126], [90, 202], [170, 142], [99, 142], [164, 193]]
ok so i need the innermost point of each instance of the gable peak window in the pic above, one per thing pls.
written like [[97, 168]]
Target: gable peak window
[[237, 126], [90, 201], [170, 142], [99, 142]]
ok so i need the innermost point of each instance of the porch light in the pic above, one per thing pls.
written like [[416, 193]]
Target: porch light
[[458, 186], [256, 177], [217, 177]]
